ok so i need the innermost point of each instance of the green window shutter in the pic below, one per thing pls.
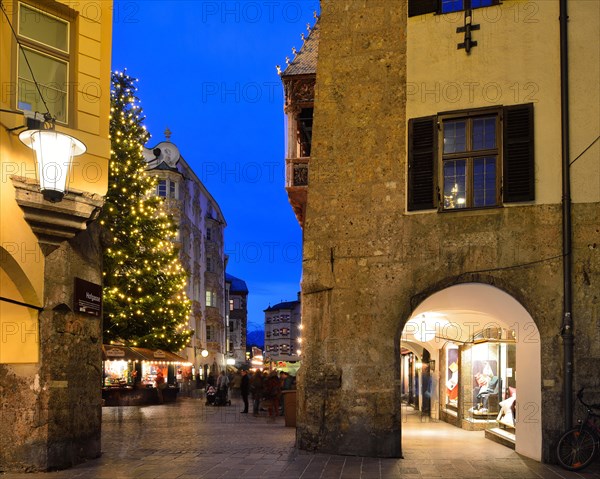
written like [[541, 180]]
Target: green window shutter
[[518, 176], [421, 7], [422, 136]]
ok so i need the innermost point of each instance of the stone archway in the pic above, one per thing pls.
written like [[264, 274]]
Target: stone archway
[[456, 313]]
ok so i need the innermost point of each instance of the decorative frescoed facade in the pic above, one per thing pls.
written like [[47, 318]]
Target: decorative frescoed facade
[[201, 242], [283, 324]]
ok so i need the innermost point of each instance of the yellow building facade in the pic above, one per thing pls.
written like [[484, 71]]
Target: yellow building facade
[[55, 60]]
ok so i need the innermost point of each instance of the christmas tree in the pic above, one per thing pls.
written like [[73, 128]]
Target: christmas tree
[[145, 303]]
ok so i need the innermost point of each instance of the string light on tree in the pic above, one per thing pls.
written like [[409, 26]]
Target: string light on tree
[[142, 273]]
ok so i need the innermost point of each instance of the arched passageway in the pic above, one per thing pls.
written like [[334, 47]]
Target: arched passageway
[[467, 353]]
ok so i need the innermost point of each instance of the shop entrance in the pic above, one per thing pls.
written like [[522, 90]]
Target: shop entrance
[[470, 357]]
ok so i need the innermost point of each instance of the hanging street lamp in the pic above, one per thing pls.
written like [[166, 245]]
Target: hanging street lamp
[[54, 152]]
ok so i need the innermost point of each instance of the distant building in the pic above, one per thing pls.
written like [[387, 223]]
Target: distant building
[[238, 318], [282, 331], [200, 239]]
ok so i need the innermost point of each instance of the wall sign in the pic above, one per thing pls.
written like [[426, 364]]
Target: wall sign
[[88, 297]]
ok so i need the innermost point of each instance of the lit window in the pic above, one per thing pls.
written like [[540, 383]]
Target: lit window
[[470, 162], [211, 298], [45, 46], [472, 154]]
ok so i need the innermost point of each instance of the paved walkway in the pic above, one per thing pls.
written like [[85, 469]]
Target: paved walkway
[[188, 440]]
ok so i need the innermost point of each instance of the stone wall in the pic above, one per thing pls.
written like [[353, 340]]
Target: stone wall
[[51, 411], [368, 264], [350, 312]]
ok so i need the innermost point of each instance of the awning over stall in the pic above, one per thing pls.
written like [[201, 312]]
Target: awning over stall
[[112, 352]]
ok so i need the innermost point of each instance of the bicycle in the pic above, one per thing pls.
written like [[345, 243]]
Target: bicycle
[[577, 447]]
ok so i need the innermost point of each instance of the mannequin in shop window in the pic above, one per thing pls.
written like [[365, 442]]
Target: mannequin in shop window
[[507, 407], [452, 383], [487, 385]]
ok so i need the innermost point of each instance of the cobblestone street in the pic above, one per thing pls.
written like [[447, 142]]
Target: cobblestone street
[[188, 440]]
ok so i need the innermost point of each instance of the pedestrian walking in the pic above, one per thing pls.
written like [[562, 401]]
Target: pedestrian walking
[[222, 386], [245, 389], [272, 394], [235, 384], [256, 388]]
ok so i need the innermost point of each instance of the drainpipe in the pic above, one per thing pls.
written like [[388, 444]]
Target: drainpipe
[[567, 325]]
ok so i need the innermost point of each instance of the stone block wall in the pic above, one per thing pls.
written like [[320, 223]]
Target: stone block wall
[[51, 411], [368, 264]]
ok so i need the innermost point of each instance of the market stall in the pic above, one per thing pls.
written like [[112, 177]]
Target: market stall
[[130, 375]]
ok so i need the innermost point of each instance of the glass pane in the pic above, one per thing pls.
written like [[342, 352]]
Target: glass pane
[[455, 184], [484, 181], [454, 136], [44, 28], [484, 133], [29, 100], [51, 75], [47, 70], [162, 188], [452, 6], [480, 3]]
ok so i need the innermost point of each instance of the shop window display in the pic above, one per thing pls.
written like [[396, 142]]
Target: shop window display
[[452, 374], [486, 385], [493, 382]]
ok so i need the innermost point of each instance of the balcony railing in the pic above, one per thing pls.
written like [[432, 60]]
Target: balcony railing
[[296, 172]]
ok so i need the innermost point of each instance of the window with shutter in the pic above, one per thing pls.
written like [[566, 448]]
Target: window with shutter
[[422, 7], [519, 180], [421, 160], [485, 158]]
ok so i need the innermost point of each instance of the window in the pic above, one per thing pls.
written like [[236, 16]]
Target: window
[[304, 125], [472, 159], [210, 333], [166, 189], [45, 41], [209, 233], [209, 264], [211, 298], [421, 7], [161, 188], [469, 162]]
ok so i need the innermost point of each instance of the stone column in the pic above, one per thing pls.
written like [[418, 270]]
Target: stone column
[[349, 381]]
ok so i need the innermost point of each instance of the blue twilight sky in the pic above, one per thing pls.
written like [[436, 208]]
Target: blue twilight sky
[[206, 71]]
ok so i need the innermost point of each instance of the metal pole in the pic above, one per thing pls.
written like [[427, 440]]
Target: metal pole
[[567, 326]]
